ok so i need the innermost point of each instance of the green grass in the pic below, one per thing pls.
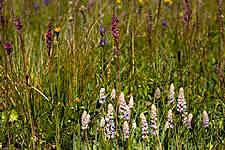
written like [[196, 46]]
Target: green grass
[[43, 114]]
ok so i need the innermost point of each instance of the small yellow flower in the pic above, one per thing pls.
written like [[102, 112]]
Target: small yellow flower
[[57, 29], [156, 11], [168, 1], [214, 18], [77, 100], [140, 1], [118, 1]]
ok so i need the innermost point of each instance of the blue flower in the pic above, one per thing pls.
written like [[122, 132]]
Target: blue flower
[[36, 6], [46, 2]]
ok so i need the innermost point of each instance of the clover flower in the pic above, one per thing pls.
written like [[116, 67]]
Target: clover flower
[[182, 106], [205, 119], [169, 123], [144, 126], [153, 123], [110, 125], [102, 98], [125, 130], [171, 94], [85, 120]]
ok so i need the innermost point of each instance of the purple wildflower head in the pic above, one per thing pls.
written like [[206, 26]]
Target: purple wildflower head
[[46, 2], [115, 30], [16, 21], [92, 3], [36, 6], [8, 47], [164, 23], [102, 31]]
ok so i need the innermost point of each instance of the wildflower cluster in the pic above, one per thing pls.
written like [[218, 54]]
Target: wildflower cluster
[[8, 48], [102, 98], [169, 123], [182, 106], [153, 123], [171, 94], [205, 120], [16, 21], [85, 120], [102, 33], [115, 30], [144, 126], [49, 38], [124, 108], [190, 121], [126, 130], [110, 125]]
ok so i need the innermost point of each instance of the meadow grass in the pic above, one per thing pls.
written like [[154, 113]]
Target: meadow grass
[[52, 70]]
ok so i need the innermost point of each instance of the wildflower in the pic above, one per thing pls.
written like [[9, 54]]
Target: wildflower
[[157, 93], [8, 48], [140, 1], [168, 1], [57, 29], [148, 103], [102, 122], [131, 103], [118, 1], [126, 130], [16, 21], [49, 38], [190, 120], [182, 106], [153, 123], [110, 126], [144, 126], [169, 123], [70, 18], [102, 33], [36, 6], [92, 3], [102, 97], [123, 109], [134, 125], [85, 120], [164, 23], [113, 94], [115, 30], [171, 95], [46, 2], [205, 120], [77, 100]]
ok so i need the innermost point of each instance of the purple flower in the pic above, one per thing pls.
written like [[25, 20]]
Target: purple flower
[[46, 2], [102, 42], [8, 47], [36, 6], [115, 30], [164, 23]]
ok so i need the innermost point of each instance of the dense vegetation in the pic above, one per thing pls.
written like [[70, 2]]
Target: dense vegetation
[[60, 61]]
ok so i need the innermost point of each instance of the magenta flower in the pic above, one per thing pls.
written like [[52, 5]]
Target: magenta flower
[[8, 47], [115, 30]]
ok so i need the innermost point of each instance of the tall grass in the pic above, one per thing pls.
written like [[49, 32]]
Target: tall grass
[[42, 96]]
